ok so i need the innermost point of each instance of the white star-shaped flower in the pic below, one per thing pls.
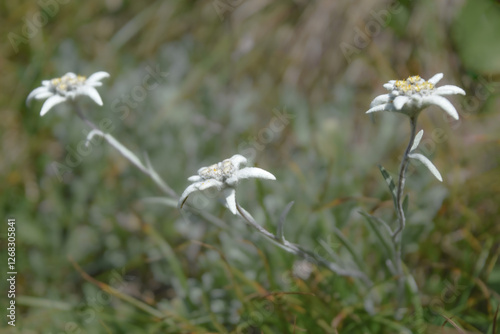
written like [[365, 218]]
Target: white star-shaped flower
[[224, 176], [67, 87], [412, 95]]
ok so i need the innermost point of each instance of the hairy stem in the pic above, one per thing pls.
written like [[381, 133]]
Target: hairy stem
[[397, 235], [297, 250], [402, 179], [125, 152], [80, 114]]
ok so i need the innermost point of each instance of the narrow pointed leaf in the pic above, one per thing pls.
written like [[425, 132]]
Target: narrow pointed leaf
[[376, 225], [388, 179], [427, 163], [405, 204], [281, 223], [418, 137], [350, 248]]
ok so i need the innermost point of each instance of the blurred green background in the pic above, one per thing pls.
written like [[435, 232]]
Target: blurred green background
[[232, 66]]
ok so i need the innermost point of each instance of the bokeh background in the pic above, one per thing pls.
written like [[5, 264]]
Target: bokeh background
[[94, 255]]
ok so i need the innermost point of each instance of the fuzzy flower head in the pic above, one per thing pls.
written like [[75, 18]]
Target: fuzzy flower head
[[224, 176], [67, 87], [412, 95]]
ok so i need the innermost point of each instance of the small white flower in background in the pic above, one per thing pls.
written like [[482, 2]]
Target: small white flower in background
[[302, 269], [412, 95], [67, 87], [423, 159], [224, 176]]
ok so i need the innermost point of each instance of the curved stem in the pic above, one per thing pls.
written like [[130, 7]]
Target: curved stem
[[125, 152], [80, 114], [295, 249]]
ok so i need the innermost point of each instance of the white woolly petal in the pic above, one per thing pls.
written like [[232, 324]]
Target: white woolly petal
[[44, 95], [427, 164], [200, 169], [230, 195], [92, 93], [238, 160], [210, 183], [195, 178], [51, 102], [381, 107], [35, 93], [232, 181], [198, 186], [254, 172], [381, 99], [418, 137], [400, 101], [94, 79], [449, 90], [189, 190], [435, 79], [442, 103], [389, 86]]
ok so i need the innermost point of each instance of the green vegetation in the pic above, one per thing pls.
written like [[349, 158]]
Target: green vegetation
[[102, 251]]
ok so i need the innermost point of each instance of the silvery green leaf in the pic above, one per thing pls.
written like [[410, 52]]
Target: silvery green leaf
[[418, 137], [427, 164], [405, 203], [384, 238], [281, 223], [390, 183]]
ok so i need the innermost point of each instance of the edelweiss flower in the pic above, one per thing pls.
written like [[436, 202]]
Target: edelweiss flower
[[224, 176], [423, 159], [412, 95], [69, 86]]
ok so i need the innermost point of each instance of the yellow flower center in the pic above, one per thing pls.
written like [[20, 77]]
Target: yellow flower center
[[67, 83], [219, 171], [414, 84]]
